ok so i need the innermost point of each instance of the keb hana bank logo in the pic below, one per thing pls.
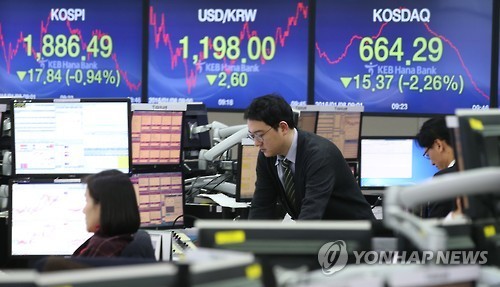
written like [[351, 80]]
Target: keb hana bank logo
[[333, 257]]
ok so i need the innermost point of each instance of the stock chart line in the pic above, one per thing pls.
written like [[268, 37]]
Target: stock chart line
[[323, 54], [10, 51], [160, 35]]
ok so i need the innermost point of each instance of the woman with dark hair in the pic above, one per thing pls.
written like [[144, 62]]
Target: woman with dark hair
[[111, 213]]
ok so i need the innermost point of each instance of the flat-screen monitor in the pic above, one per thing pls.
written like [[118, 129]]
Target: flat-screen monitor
[[247, 165], [340, 126], [46, 217], [83, 136], [478, 138], [226, 54], [404, 57], [161, 198], [477, 144], [77, 49], [307, 121], [196, 115], [154, 274], [390, 161], [343, 129], [215, 267], [156, 137], [288, 245]]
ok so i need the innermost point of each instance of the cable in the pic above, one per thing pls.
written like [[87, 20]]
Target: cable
[[219, 183], [185, 216]]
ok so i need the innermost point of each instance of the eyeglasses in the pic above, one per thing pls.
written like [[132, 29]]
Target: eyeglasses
[[259, 138], [426, 154]]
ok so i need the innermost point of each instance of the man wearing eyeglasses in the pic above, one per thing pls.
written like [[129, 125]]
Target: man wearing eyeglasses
[[434, 136], [304, 172]]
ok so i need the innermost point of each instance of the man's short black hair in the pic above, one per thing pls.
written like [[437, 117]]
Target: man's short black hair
[[270, 109], [433, 129]]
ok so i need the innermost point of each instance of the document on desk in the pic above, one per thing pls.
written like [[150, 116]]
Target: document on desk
[[224, 200]]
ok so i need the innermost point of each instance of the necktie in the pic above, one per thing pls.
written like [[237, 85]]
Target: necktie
[[289, 183]]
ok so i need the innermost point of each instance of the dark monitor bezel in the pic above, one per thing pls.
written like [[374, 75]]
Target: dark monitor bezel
[[85, 100], [468, 138]]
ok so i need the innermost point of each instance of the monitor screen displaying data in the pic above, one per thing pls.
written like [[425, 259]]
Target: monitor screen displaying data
[[343, 129], [393, 161], [47, 218], [71, 137], [403, 57], [247, 165], [156, 137], [160, 197], [71, 49], [227, 52], [307, 121]]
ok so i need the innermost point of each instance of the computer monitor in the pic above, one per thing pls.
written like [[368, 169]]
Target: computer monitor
[[289, 245], [194, 116], [307, 121], [145, 275], [156, 137], [389, 161], [247, 165], [341, 128], [216, 267], [46, 217], [70, 137], [477, 144], [477, 138], [161, 199]]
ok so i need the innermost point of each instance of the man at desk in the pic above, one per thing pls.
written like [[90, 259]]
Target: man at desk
[[304, 172], [435, 137]]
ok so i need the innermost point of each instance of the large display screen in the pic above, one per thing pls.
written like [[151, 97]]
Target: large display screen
[[71, 49], [404, 57], [47, 218], [225, 53], [71, 136]]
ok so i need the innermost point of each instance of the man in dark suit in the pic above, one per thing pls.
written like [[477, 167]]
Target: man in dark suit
[[435, 137], [320, 184]]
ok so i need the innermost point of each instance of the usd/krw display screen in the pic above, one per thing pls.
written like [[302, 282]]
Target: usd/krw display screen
[[71, 49], [225, 53], [405, 56]]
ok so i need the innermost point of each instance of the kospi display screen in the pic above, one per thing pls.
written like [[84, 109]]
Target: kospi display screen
[[71, 49], [413, 57], [225, 53]]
